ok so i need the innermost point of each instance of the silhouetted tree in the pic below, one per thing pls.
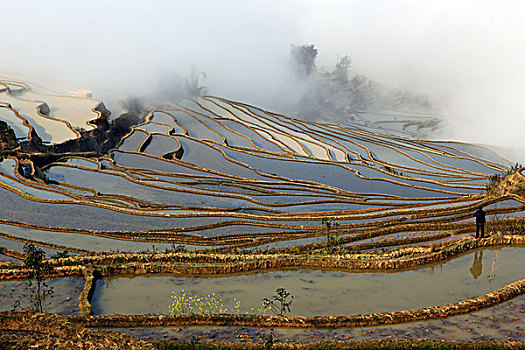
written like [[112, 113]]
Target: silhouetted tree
[[192, 87], [175, 86], [341, 69], [303, 60]]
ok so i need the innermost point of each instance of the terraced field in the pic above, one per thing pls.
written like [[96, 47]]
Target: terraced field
[[250, 189]]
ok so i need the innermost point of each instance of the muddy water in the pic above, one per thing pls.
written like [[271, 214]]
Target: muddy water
[[63, 301], [504, 322], [319, 292]]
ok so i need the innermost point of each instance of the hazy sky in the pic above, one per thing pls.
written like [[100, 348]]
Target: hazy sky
[[470, 53]]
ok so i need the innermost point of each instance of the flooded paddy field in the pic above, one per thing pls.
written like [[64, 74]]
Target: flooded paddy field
[[503, 322], [88, 243], [19, 246], [217, 168], [323, 293], [64, 300], [209, 196]]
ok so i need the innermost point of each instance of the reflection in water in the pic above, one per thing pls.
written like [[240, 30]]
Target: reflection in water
[[318, 292], [477, 267]]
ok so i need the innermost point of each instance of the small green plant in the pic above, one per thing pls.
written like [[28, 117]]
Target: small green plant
[[327, 223], [279, 303], [514, 168], [332, 233], [494, 181], [517, 228], [176, 249], [38, 291], [269, 340], [59, 255], [194, 342]]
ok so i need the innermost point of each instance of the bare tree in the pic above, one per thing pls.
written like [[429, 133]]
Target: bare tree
[[175, 87], [192, 84]]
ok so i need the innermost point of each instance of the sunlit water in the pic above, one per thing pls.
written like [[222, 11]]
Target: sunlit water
[[319, 292], [64, 299], [503, 322]]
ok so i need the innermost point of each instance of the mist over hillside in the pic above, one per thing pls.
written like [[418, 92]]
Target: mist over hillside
[[331, 94], [467, 56]]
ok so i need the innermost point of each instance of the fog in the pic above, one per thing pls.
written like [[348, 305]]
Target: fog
[[468, 55]]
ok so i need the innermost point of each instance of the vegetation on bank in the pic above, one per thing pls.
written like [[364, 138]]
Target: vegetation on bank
[[507, 183], [361, 345], [80, 321]]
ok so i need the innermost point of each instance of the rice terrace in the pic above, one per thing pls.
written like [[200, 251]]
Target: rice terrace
[[200, 221]]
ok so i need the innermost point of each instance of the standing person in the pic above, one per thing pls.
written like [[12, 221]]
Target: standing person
[[480, 221]]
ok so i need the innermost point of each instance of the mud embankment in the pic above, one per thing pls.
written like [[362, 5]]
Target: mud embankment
[[102, 265]]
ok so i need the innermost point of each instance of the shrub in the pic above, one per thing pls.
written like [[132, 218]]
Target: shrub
[[39, 291], [279, 303]]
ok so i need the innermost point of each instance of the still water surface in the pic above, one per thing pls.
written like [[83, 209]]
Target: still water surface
[[318, 292]]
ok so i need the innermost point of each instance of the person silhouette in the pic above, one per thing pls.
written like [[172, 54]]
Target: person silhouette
[[480, 221], [477, 267]]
